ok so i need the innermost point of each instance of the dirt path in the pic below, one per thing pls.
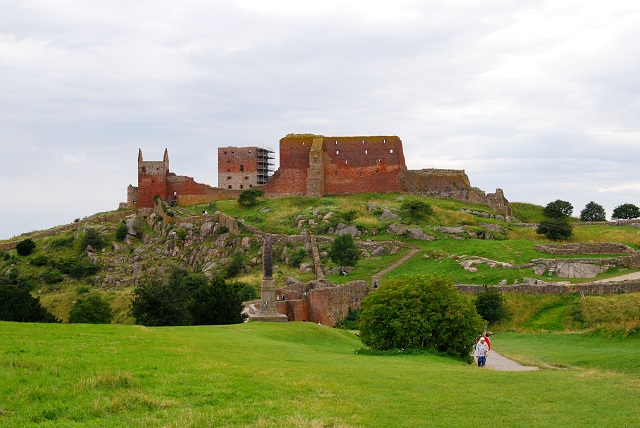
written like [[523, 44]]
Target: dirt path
[[498, 362], [376, 277], [627, 277]]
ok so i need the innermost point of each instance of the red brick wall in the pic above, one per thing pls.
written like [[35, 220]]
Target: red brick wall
[[351, 165], [148, 186], [237, 167]]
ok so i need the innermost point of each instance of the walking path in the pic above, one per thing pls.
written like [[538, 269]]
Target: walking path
[[498, 362], [376, 277], [627, 277]]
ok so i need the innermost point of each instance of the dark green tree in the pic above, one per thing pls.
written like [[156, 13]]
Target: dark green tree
[[593, 212], [244, 291], [249, 197], [558, 209], [25, 247], [17, 304], [92, 310], [419, 312], [216, 303], [161, 303], [344, 251], [490, 305], [626, 212], [415, 210], [555, 229]]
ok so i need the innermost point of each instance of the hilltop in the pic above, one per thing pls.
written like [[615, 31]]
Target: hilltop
[[466, 243]]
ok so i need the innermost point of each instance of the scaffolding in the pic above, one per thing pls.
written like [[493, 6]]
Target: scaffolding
[[265, 165]]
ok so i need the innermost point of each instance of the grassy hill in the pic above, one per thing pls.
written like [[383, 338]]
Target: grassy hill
[[300, 375], [158, 248]]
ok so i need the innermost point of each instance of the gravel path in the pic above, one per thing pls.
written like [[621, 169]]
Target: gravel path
[[498, 362], [627, 277]]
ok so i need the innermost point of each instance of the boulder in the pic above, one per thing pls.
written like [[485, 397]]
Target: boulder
[[380, 251], [387, 214]]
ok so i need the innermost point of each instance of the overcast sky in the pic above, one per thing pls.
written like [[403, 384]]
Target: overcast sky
[[539, 98]]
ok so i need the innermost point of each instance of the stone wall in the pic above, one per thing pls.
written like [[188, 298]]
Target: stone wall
[[585, 248], [586, 288], [237, 168], [321, 301]]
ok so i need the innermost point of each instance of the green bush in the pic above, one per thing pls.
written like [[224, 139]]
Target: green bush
[[121, 232], [62, 242], [94, 238], [17, 304], [625, 211], [77, 268], [244, 291], [489, 304], [234, 268], [415, 210], [249, 197], [297, 257], [92, 310], [52, 276], [25, 247], [555, 229], [216, 303], [419, 312], [351, 322], [40, 260]]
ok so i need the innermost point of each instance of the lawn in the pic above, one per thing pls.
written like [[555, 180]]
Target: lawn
[[289, 375]]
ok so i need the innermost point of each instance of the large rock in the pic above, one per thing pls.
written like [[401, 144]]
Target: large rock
[[350, 230], [577, 270], [387, 214], [380, 251], [417, 233]]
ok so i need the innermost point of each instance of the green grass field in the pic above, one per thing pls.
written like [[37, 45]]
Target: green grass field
[[300, 375]]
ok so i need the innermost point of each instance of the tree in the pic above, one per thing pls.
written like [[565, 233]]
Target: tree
[[161, 303], [25, 247], [593, 212], [489, 304], [558, 209], [344, 251], [17, 304], [92, 310], [626, 212], [216, 303], [249, 197], [235, 266], [555, 229], [420, 312], [349, 216], [416, 210]]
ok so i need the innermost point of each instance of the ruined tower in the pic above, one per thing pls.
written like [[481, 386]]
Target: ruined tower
[[241, 168]]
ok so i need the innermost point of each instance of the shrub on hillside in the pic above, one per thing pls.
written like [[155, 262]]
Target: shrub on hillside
[[415, 210], [249, 197], [92, 238], [121, 232], [297, 257], [555, 229], [489, 304], [17, 304], [25, 247], [62, 242], [234, 268], [593, 212], [244, 291], [77, 267], [419, 312], [92, 310], [161, 303]]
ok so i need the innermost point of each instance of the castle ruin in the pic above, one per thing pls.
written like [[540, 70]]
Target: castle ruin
[[310, 165]]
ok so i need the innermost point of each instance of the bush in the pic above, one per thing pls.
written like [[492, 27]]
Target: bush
[[419, 312], [489, 304], [121, 232], [558, 209], [62, 242], [52, 276], [593, 212], [249, 197], [94, 238], [555, 229], [25, 247], [349, 216], [92, 310], [351, 322], [244, 291], [77, 268], [17, 304], [235, 267], [40, 260], [297, 257], [625, 212], [415, 210]]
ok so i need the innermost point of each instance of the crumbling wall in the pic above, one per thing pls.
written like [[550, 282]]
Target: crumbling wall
[[612, 287], [237, 168]]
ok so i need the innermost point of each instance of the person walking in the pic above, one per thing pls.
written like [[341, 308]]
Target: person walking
[[481, 351]]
